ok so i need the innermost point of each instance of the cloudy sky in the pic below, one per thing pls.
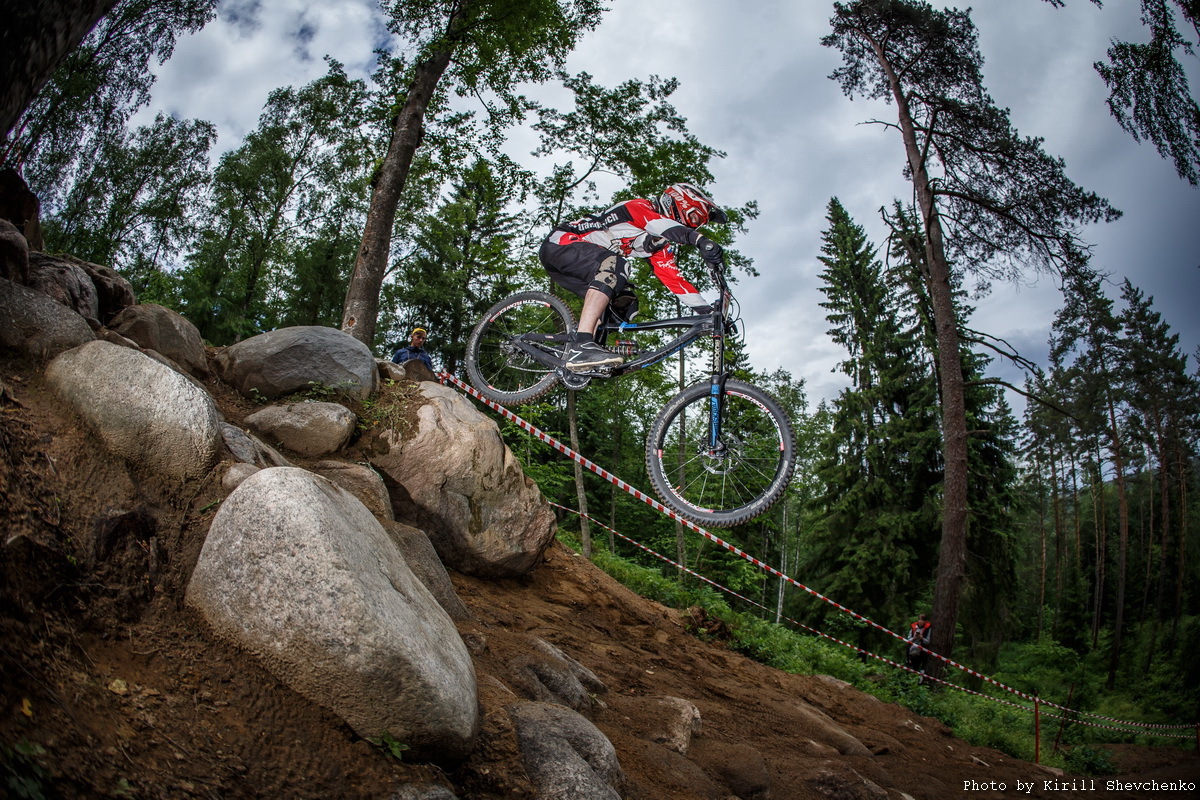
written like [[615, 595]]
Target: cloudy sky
[[754, 85]]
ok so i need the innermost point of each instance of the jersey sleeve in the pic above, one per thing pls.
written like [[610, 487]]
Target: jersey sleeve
[[667, 271]]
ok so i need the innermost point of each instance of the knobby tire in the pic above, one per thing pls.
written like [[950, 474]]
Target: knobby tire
[[500, 372], [743, 481]]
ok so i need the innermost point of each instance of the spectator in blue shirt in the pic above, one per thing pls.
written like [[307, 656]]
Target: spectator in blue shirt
[[415, 349]]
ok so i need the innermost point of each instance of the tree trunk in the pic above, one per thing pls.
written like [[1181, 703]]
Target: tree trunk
[[37, 37], [952, 555], [1123, 547], [360, 312]]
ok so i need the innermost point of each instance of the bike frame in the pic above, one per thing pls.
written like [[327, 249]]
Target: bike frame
[[697, 326]]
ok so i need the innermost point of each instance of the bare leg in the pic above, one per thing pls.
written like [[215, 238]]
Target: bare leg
[[594, 303]]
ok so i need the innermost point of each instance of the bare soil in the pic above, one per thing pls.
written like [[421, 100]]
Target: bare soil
[[113, 688]]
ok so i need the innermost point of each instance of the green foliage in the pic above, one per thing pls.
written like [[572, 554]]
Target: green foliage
[[133, 205], [1149, 92], [460, 266], [878, 468], [273, 241], [24, 773], [1085, 760], [85, 105], [390, 745]]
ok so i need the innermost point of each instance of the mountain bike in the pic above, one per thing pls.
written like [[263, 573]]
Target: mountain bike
[[720, 452]]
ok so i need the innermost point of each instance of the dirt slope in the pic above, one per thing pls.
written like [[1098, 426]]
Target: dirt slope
[[113, 689]]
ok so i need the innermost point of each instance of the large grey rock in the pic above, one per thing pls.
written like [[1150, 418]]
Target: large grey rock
[[675, 722], [565, 755], [310, 429], [14, 253], [423, 559], [140, 409], [277, 363], [247, 448], [367, 485], [298, 572], [158, 328], [113, 291], [457, 480], [65, 282], [35, 325]]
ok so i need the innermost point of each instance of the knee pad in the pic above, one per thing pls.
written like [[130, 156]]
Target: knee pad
[[610, 277]]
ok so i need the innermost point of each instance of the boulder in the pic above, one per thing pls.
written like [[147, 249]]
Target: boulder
[[841, 782], [141, 410], [309, 429], [14, 253], [675, 722], [20, 208], [247, 449], [389, 371], [423, 560], [158, 328], [236, 474], [284, 361], [66, 283], [415, 370], [546, 675], [367, 485], [298, 572], [34, 325], [457, 480], [113, 292], [565, 755]]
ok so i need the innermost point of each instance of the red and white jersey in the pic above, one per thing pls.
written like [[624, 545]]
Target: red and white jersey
[[636, 229]]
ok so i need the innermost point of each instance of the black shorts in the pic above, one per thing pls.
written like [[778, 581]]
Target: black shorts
[[577, 267]]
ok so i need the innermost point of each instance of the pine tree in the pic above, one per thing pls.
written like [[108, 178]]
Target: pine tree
[[873, 544], [986, 196]]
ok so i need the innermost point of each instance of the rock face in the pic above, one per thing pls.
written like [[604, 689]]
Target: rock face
[[362, 482], [247, 449], [280, 362], [140, 409], [460, 483], [14, 253], [298, 572], [164, 331], [565, 755], [310, 429], [65, 282], [422, 558], [113, 292], [35, 325]]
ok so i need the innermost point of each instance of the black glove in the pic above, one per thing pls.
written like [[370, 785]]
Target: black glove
[[703, 309], [710, 251]]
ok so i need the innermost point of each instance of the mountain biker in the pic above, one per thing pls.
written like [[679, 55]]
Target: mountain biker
[[587, 257]]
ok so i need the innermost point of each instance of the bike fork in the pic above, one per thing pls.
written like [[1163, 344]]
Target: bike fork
[[716, 390]]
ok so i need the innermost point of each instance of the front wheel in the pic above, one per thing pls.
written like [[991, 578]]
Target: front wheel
[[733, 480], [499, 361]]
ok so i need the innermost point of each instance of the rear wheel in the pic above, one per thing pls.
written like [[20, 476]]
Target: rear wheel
[[739, 477], [498, 366]]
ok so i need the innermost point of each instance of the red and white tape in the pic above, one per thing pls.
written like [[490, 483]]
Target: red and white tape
[[608, 476]]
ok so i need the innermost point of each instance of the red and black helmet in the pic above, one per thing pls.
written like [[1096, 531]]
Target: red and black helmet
[[686, 204]]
